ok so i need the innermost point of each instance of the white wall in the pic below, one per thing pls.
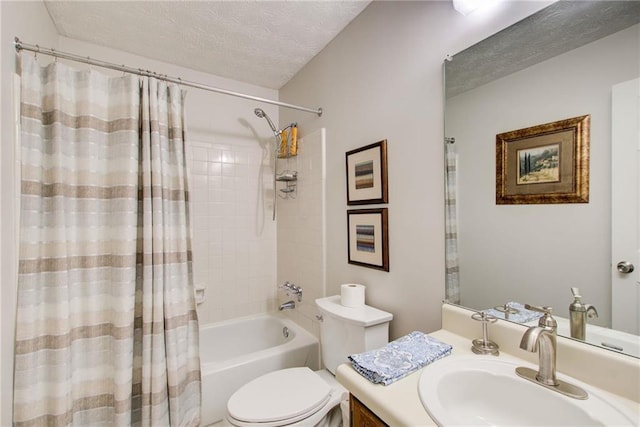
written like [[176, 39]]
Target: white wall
[[381, 78], [535, 253], [31, 23]]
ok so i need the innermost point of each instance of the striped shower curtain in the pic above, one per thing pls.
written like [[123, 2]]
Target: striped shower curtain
[[106, 328], [452, 279]]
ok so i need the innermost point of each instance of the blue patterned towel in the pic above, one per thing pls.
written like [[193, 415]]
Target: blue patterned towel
[[399, 358], [522, 316]]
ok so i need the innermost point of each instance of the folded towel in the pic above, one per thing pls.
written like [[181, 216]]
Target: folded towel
[[399, 358], [522, 316]]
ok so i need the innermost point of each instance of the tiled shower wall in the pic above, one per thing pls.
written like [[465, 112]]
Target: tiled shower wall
[[234, 239], [301, 230]]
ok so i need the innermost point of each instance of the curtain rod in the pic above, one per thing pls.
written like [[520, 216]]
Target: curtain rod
[[19, 45]]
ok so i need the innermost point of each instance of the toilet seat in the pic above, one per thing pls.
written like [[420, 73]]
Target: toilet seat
[[278, 398]]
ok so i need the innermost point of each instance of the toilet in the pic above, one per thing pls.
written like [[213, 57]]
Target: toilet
[[300, 396]]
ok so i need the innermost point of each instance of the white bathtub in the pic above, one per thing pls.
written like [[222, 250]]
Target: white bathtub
[[234, 352]]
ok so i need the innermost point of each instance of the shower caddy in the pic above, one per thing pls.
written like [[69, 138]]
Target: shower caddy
[[286, 146], [286, 150]]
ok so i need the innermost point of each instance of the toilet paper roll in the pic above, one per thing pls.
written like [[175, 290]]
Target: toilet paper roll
[[352, 295]]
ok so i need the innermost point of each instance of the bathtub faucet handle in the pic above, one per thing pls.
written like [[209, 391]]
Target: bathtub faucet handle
[[290, 287], [297, 290], [285, 285]]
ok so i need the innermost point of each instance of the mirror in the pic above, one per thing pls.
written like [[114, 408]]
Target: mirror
[[562, 62]]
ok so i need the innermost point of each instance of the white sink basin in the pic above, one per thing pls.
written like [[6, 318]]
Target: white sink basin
[[484, 390]]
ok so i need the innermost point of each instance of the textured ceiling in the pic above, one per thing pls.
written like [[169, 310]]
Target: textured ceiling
[[558, 28], [261, 42]]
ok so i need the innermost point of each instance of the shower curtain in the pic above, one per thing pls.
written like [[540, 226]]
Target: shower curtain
[[452, 280], [106, 327]]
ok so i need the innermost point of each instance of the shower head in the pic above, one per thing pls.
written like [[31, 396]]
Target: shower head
[[260, 113]]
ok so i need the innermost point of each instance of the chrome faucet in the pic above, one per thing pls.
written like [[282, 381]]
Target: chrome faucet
[[289, 305], [543, 339]]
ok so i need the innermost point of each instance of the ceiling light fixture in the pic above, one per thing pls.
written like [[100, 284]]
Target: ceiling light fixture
[[465, 7]]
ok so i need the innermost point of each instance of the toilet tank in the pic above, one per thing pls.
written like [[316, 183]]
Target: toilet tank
[[347, 330]]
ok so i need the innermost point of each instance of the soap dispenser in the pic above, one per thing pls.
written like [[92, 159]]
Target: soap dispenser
[[578, 312]]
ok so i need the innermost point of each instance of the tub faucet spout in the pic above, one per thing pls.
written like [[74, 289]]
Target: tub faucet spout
[[289, 305]]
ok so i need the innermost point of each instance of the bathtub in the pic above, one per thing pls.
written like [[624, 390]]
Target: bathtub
[[236, 351]]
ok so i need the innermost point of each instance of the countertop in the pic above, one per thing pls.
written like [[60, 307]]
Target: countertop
[[399, 404]]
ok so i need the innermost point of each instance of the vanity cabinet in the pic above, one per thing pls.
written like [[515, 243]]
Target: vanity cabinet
[[361, 416]]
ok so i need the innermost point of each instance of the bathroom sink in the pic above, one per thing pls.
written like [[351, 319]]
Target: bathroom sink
[[477, 390]]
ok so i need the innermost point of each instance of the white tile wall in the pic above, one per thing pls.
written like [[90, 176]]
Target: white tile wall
[[234, 239], [239, 254], [301, 230]]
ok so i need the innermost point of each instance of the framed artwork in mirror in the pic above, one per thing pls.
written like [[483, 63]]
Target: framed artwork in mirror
[[368, 238], [367, 174], [544, 164]]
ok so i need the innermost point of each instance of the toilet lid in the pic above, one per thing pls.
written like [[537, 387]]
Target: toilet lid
[[280, 395]]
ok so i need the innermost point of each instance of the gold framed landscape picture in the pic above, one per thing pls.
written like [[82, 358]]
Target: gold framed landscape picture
[[548, 163], [368, 238], [367, 174]]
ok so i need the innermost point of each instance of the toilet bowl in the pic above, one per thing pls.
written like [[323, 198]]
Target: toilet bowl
[[300, 396]]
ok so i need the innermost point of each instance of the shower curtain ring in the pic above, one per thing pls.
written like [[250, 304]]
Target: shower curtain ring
[[55, 57], [35, 53]]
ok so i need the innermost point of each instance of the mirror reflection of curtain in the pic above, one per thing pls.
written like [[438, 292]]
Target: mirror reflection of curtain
[[452, 284], [106, 324]]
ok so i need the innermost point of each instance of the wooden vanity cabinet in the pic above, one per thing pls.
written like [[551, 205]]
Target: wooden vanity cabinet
[[361, 416]]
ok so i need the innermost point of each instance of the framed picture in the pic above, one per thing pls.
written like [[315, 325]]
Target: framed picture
[[367, 174], [547, 163], [368, 238]]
